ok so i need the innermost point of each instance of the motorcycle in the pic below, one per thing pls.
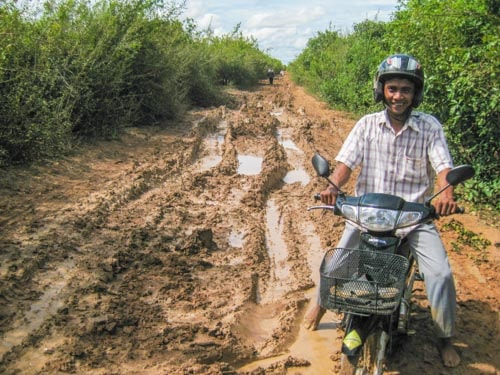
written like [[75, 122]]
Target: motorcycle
[[373, 284]]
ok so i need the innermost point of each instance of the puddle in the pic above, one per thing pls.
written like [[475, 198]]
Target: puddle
[[314, 346], [257, 322], [309, 346], [288, 144], [213, 146], [297, 175], [210, 162], [315, 252], [236, 239], [295, 157], [249, 165], [41, 310], [278, 253]]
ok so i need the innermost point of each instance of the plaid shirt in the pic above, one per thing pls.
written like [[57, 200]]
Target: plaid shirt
[[404, 164]]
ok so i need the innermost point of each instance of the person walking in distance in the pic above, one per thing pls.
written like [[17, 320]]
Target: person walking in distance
[[402, 152], [270, 75]]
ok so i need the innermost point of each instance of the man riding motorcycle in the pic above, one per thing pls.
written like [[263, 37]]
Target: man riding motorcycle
[[401, 151]]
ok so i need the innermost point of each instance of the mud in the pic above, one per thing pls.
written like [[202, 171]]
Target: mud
[[189, 250]]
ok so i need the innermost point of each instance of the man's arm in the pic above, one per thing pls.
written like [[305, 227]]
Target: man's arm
[[445, 204], [339, 177]]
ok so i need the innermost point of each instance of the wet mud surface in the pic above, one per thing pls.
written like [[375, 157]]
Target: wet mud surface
[[190, 250]]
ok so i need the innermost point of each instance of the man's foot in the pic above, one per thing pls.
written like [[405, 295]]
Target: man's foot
[[313, 317], [449, 354]]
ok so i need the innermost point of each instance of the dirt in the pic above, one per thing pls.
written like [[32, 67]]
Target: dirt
[[188, 249]]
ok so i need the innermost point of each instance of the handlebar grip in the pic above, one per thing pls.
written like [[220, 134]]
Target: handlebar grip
[[458, 210]]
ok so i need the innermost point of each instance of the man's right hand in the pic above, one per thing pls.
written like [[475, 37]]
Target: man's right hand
[[339, 177], [329, 195]]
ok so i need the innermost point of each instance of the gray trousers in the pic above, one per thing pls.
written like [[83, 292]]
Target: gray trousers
[[433, 265]]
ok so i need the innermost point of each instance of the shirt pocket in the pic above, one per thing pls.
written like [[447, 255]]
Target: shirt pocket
[[414, 168]]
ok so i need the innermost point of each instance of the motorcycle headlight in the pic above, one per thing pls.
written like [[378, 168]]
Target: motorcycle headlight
[[350, 212], [408, 218], [378, 220]]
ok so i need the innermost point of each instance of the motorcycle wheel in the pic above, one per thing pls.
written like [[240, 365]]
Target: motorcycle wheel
[[369, 360], [349, 365]]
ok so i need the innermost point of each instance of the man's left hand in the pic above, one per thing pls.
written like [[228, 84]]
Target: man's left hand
[[445, 205]]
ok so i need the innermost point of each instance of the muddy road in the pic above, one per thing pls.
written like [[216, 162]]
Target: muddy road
[[190, 251]]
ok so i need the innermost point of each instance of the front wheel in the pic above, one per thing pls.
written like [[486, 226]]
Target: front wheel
[[370, 359], [349, 364]]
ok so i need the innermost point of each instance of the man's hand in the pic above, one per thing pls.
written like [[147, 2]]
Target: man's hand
[[329, 195], [339, 177], [446, 205]]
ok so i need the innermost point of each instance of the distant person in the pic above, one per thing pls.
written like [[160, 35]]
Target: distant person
[[270, 75]]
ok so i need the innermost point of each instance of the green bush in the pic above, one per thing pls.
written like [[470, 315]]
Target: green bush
[[340, 68], [34, 114], [238, 59], [77, 68], [458, 44]]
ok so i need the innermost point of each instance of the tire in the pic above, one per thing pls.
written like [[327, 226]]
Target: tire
[[348, 365], [366, 361]]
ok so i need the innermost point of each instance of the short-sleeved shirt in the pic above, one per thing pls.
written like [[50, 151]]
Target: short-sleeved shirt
[[403, 164]]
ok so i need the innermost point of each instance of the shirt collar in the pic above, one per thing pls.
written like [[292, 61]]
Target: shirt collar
[[411, 122]]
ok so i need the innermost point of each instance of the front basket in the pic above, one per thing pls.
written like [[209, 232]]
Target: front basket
[[361, 281]]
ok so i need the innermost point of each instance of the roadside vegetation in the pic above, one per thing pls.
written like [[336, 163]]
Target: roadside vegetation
[[457, 42], [73, 70], [76, 69]]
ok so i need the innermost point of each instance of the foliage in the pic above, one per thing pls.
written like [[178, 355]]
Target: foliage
[[457, 42], [238, 59], [316, 66], [87, 68], [29, 88], [340, 67], [470, 239]]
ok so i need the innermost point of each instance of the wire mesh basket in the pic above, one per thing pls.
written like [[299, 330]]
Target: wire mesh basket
[[362, 281]]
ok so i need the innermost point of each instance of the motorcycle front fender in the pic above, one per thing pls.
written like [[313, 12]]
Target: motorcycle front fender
[[358, 328]]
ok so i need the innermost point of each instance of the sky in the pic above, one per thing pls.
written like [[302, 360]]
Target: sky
[[283, 27]]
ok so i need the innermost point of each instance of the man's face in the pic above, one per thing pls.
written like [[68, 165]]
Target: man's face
[[398, 94]]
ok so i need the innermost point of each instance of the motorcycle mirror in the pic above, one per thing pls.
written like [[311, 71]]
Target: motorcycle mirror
[[459, 174], [322, 168], [320, 165]]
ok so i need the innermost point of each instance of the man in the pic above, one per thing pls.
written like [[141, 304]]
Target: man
[[400, 152]]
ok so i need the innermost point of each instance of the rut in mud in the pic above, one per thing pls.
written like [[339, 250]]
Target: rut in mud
[[189, 250]]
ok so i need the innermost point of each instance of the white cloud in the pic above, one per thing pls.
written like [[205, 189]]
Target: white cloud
[[195, 9], [286, 17], [283, 27], [208, 20]]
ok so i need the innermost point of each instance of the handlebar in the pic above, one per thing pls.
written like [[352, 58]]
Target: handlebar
[[459, 210]]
